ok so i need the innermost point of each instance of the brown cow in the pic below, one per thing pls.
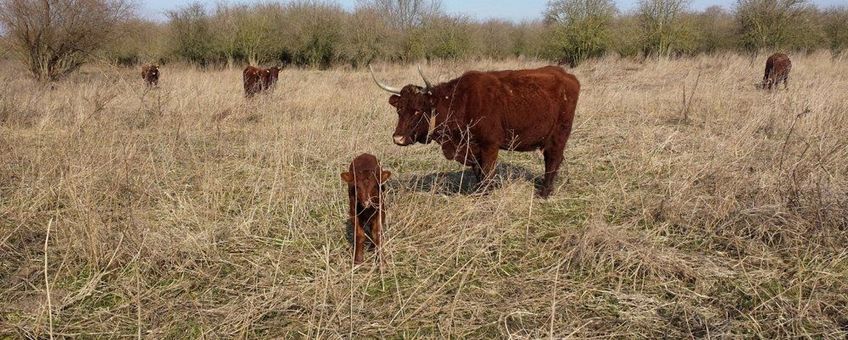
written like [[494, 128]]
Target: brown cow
[[253, 77], [365, 180], [150, 74], [270, 78], [258, 79], [778, 66], [479, 113]]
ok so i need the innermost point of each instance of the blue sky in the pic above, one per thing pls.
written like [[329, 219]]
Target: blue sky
[[515, 10]]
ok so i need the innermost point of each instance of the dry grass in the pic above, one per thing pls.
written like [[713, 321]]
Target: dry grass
[[190, 212]]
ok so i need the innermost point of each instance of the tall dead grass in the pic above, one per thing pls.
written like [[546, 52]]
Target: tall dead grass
[[188, 211]]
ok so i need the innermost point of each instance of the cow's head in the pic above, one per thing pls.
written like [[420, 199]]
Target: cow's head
[[366, 178], [415, 105], [153, 72], [272, 74]]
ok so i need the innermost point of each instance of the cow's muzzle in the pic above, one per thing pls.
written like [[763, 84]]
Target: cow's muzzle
[[402, 140]]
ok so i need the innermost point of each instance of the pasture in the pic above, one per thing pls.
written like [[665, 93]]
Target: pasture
[[188, 211]]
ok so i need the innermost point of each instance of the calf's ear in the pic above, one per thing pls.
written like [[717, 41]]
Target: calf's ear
[[347, 177], [384, 176], [394, 100]]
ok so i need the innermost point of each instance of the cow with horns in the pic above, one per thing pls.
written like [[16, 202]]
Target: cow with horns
[[476, 115]]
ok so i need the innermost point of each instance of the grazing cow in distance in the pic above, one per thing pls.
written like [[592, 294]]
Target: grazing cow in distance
[[150, 74], [365, 179], [778, 66], [258, 79], [476, 115]]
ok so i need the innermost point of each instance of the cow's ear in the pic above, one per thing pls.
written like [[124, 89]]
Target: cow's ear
[[384, 176], [347, 177], [394, 100]]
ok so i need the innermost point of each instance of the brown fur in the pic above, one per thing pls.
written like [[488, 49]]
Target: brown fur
[[257, 79], [253, 78], [480, 113], [365, 180], [150, 75], [778, 66], [270, 78]]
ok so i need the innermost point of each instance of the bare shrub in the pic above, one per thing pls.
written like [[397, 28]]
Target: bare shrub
[[578, 29], [836, 28], [191, 37], [663, 31], [55, 37], [405, 14], [777, 24]]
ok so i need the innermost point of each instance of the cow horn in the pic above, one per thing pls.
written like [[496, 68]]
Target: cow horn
[[426, 82], [381, 85]]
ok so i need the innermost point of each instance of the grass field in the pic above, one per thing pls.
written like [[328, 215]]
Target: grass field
[[188, 211]]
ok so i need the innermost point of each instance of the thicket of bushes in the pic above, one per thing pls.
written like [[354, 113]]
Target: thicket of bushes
[[322, 33]]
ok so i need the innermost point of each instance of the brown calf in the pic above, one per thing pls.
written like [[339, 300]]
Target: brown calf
[[365, 181], [778, 66], [150, 74]]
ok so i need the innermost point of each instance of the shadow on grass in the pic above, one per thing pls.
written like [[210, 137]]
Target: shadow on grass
[[463, 182]]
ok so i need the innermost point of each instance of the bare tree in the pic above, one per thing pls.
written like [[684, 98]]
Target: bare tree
[[768, 23], [579, 29], [405, 14], [56, 37], [662, 29]]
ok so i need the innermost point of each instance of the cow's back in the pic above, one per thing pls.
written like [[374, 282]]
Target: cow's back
[[251, 76], [777, 64], [522, 108]]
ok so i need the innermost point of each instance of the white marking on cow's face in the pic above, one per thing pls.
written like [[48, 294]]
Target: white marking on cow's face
[[400, 140]]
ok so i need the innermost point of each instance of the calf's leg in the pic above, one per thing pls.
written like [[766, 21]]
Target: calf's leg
[[377, 233], [358, 240]]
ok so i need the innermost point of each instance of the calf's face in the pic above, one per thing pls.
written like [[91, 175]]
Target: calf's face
[[366, 184]]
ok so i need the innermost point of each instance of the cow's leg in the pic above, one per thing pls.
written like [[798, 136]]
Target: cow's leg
[[469, 155], [553, 160], [553, 153], [358, 240], [488, 162]]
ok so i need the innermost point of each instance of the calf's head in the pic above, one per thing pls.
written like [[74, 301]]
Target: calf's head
[[365, 177], [415, 105]]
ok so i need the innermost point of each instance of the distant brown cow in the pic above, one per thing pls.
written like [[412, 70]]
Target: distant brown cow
[[150, 74], [479, 113], [365, 180], [253, 78], [270, 79], [778, 66], [258, 79]]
